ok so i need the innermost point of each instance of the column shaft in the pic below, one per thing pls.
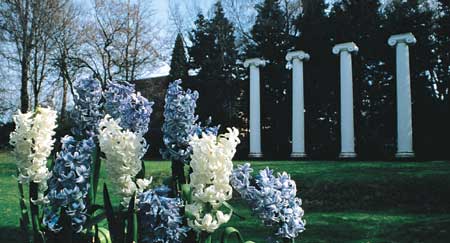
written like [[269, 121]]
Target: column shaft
[[404, 116], [255, 117], [347, 123], [298, 119]]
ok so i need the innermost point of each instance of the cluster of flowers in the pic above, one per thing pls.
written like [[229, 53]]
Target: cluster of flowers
[[117, 119], [87, 111], [123, 150], [68, 187], [131, 108], [121, 139], [180, 122], [69, 184], [273, 199], [160, 214], [211, 169], [33, 143]]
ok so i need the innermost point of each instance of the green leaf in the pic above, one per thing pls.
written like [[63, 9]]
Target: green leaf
[[24, 217], [141, 174], [94, 208], [112, 222], [135, 228], [96, 172], [95, 219], [130, 221], [233, 211], [229, 232], [66, 223], [189, 215], [186, 193], [103, 235]]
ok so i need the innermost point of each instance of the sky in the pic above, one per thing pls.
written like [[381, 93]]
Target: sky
[[161, 7], [162, 10]]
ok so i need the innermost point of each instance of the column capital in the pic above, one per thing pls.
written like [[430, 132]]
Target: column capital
[[300, 55], [407, 38], [347, 47], [257, 62]]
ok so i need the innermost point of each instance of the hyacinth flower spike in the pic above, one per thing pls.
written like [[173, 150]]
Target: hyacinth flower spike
[[180, 125], [273, 199], [33, 142], [212, 165]]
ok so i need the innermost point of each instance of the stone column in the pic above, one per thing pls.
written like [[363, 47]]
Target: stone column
[[404, 116], [347, 123], [255, 117], [298, 108]]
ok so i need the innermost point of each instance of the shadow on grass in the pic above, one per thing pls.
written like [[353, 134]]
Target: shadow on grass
[[433, 229], [11, 235]]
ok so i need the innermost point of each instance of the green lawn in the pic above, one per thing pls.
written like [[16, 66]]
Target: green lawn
[[343, 201]]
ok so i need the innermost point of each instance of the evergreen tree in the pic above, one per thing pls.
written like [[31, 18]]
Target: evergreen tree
[[418, 17], [202, 46], [223, 68], [442, 81], [373, 94], [321, 87], [178, 64], [271, 41], [443, 36], [214, 55]]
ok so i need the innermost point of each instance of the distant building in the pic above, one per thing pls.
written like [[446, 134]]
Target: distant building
[[154, 89]]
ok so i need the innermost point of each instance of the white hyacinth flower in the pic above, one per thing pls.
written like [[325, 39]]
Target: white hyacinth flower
[[211, 163], [33, 142], [208, 224], [143, 184], [123, 150]]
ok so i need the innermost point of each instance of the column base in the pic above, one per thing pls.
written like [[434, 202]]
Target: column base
[[298, 155], [255, 155], [347, 155], [403, 155]]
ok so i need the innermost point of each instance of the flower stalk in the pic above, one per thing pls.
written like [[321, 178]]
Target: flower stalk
[[205, 237], [34, 210], [178, 176], [287, 240]]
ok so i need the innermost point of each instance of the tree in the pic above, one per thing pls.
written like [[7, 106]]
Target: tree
[[373, 94], [119, 41], [178, 64], [271, 41], [221, 85], [315, 38], [443, 51], [242, 13], [420, 18], [443, 73], [213, 54], [64, 59], [200, 50], [27, 25]]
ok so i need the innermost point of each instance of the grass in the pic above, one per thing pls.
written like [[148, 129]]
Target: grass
[[343, 201]]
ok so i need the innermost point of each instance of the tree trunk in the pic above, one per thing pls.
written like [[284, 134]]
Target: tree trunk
[[64, 101], [36, 98], [24, 88]]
